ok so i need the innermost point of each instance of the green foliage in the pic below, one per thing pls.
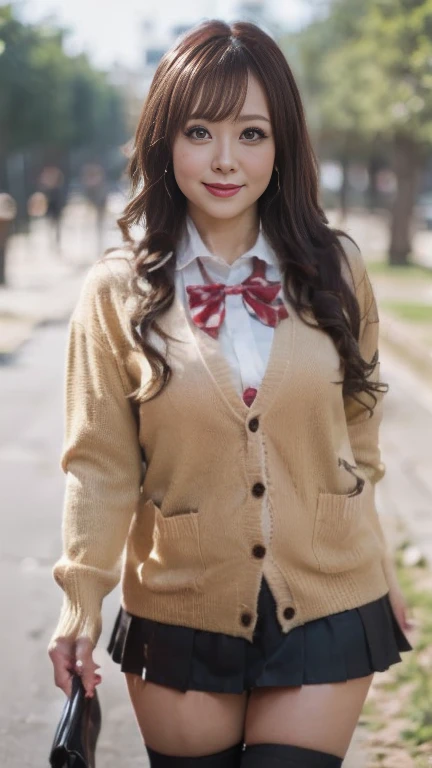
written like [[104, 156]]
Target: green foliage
[[419, 712], [49, 98], [411, 311], [367, 69], [404, 272], [412, 678], [418, 709]]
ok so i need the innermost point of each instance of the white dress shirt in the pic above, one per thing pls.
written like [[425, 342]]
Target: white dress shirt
[[245, 342]]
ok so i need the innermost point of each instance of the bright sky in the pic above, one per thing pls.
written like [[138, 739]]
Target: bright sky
[[111, 29]]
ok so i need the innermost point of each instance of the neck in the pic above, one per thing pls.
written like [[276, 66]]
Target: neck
[[227, 238]]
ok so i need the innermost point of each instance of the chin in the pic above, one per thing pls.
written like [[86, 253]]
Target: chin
[[222, 209]]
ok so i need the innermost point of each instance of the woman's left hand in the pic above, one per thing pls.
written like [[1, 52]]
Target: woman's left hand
[[400, 608]]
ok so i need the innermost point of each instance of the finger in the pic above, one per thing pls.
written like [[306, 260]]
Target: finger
[[62, 656], [85, 666], [63, 679], [97, 681], [410, 624]]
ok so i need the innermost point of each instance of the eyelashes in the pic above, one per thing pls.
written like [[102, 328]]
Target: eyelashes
[[259, 131]]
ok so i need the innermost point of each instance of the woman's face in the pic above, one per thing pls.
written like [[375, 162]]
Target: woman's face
[[240, 153]]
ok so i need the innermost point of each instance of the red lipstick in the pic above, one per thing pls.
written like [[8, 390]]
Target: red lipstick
[[223, 190]]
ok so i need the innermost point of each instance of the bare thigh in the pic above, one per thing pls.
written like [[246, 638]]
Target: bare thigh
[[190, 724], [320, 717]]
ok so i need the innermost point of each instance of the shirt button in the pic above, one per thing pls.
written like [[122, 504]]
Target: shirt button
[[254, 424], [289, 613], [258, 490], [246, 619], [258, 551]]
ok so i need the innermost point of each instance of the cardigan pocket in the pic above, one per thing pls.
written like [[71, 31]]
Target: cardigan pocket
[[175, 562], [344, 536]]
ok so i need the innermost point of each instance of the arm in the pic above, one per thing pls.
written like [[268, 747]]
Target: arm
[[363, 429], [102, 460]]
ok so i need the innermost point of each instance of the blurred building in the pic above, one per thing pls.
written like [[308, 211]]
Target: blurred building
[[133, 86], [155, 43], [256, 11]]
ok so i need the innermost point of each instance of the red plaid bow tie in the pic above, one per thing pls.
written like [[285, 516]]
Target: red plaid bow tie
[[261, 297]]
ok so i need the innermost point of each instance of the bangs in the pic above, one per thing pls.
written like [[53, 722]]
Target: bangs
[[213, 87]]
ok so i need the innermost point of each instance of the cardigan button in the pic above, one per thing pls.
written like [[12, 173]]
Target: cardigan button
[[258, 551], [254, 424], [289, 613], [258, 490], [246, 619]]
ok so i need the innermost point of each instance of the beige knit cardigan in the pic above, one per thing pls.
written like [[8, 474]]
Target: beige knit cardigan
[[167, 496]]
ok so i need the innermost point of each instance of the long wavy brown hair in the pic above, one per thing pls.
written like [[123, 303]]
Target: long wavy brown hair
[[214, 59]]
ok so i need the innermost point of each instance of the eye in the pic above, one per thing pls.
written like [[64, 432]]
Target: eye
[[259, 131], [252, 135], [196, 129]]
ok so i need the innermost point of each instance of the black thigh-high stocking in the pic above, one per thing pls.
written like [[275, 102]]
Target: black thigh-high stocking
[[229, 758], [287, 756]]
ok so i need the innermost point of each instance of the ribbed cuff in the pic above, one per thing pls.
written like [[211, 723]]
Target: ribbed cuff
[[80, 614], [74, 622]]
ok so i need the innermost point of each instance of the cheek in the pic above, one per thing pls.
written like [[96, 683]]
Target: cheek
[[188, 165], [260, 164]]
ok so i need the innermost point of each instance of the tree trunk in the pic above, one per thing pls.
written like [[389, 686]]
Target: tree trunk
[[2, 264], [4, 229], [407, 168], [343, 192], [374, 166]]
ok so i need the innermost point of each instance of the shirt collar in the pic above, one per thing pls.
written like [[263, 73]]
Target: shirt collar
[[191, 246]]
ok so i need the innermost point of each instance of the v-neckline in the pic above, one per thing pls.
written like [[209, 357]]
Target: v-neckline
[[220, 371]]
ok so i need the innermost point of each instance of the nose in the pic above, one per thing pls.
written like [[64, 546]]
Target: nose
[[224, 158]]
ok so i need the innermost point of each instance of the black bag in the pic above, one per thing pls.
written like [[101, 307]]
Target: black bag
[[76, 735]]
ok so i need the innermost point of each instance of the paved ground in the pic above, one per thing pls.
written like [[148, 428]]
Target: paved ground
[[371, 232], [42, 280], [32, 487]]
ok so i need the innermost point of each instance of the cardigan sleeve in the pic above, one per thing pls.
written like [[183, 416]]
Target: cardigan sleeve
[[363, 429], [101, 457]]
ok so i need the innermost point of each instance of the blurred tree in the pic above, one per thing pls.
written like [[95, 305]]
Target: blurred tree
[[97, 107], [56, 111], [336, 139], [368, 70], [51, 102]]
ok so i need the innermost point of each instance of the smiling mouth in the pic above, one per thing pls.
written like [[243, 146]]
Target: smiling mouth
[[223, 190], [223, 186]]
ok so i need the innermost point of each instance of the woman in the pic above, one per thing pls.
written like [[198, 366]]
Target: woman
[[232, 355]]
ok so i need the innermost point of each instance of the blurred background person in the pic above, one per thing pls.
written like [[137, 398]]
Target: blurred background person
[[7, 214], [52, 184], [95, 188]]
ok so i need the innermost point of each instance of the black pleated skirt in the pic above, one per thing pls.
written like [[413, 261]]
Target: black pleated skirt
[[346, 645]]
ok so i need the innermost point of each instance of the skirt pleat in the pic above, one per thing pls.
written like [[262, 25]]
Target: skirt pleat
[[347, 645]]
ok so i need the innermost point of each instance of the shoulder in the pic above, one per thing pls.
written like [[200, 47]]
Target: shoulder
[[353, 268], [109, 275], [107, 287], [354, 271]]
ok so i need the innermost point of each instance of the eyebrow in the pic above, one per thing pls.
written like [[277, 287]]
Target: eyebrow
[[241, 118], [254, 117]]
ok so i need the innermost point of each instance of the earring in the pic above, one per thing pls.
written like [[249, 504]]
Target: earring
[[164, 178], [277, 171]]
